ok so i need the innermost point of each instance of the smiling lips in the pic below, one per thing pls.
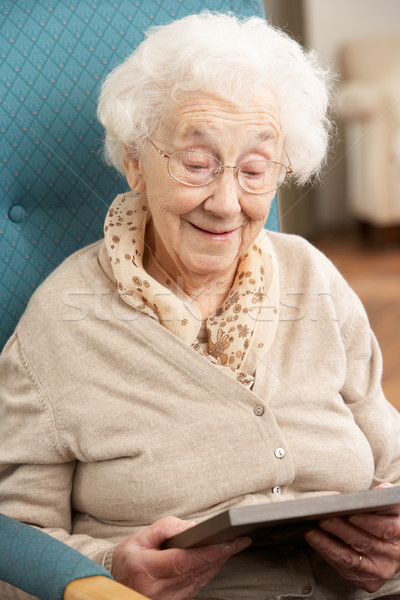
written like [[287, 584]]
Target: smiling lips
[[215, 234]]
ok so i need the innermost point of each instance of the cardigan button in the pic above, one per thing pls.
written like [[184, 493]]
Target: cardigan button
[[280, 453], [277, 490], [258, 410]]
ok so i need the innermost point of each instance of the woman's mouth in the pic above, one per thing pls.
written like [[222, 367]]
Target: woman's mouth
[[215, 234]]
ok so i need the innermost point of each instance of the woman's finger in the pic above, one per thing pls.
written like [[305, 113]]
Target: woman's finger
[[386, 527], [345, 560], [385, 544], [368, 571], [175, 562], [351, 535], [341, 556], [154, 535], [186, 586], [140, 563]]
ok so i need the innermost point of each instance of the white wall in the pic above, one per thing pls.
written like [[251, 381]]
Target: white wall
[[331, 23], [328, 25]]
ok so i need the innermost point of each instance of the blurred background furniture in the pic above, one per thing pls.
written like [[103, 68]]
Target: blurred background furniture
[[321, 213], [369, 106], [55, 188], [328, 27], [46, 568]]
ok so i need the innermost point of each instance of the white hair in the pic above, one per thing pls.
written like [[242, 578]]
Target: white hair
[[235, 58]]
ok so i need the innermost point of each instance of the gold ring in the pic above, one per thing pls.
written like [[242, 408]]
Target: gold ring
[[360, 559]]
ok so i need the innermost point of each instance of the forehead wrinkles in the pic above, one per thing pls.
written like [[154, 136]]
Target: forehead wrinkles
[[188, 117]]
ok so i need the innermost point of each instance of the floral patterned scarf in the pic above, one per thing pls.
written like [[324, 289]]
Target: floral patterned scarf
[[239, 332]]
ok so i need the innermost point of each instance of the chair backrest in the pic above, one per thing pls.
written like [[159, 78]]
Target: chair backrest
[[55, 189]]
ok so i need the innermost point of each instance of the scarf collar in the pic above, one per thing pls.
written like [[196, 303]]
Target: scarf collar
[[239, 333]]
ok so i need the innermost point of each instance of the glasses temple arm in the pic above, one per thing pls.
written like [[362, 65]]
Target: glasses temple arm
[[161, 152]]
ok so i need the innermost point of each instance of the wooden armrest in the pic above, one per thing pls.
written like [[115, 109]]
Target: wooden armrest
[[99, 588]]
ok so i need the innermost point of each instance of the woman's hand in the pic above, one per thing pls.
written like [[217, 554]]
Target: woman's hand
[[173, 574], [369, 553]]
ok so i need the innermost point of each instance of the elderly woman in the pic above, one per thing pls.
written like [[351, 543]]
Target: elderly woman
[[192, 361]]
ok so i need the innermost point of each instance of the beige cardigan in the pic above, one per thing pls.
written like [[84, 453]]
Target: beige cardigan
[[104, 409]]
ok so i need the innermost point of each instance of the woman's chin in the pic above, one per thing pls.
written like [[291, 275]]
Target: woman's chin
[[212, 266]]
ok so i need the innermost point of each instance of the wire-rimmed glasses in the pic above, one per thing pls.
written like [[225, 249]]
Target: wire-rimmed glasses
[[197, 169]]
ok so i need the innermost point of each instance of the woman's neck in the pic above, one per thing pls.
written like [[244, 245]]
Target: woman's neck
[[210, 296], [208, 293]]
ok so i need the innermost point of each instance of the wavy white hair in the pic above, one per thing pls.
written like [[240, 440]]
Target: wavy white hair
[[235, 58]]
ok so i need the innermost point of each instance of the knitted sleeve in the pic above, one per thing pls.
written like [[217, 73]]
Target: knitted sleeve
[[36, 472]]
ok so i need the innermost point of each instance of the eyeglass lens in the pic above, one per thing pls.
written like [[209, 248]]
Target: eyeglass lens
[[197, 169]]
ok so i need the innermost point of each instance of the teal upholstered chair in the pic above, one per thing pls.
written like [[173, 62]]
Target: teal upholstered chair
[[55, 189], [46, 568]]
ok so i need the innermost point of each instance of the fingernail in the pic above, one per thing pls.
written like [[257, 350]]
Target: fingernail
[[187, 524], [357, 520], [326, 522], [244, 542], [312, 536], [237, 545]]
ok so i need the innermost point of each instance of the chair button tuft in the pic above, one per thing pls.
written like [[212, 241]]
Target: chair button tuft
[[16, 213]]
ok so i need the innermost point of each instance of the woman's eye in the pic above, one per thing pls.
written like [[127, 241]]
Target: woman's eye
[[196, 162], [252, 173], [195, 167], [254, 170]]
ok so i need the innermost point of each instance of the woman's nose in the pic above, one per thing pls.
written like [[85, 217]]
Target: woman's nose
[[224, 197]]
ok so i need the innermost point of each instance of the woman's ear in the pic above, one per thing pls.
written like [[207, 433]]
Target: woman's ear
[[134, 175]]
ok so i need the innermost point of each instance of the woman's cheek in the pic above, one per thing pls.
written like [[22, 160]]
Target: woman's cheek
[[257, 208]]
